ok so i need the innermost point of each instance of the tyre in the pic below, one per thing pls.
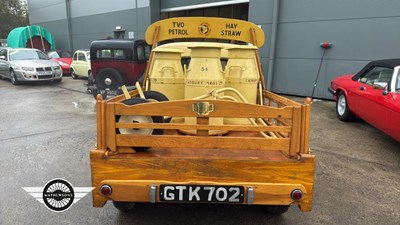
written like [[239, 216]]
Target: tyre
[[155, 96], [158, 97], [109, 78], [57, 80], [14, 79], [90, 79], [124, 206], [342, 108], [277, 209], [73, 74], [139, 119]]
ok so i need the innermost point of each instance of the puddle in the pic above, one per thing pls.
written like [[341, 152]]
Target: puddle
[[86, 105]]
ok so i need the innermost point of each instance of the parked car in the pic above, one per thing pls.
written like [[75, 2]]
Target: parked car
[[80, 65], [373, 94], [3, 42], [26, 64], [116, 63], [62, 57]]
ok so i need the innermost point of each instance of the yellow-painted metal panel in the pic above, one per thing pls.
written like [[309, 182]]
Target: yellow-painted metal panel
[[206, 27]]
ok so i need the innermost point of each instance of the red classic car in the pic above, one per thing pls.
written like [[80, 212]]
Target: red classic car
[[373, 94], [64, 58]]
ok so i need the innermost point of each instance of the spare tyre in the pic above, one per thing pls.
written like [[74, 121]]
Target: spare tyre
[[139, 119], [156, 96], [109, 78]]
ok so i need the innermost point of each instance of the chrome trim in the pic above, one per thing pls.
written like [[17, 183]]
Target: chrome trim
[[202, 108], [331, 91], [153, 193], [250, 195]]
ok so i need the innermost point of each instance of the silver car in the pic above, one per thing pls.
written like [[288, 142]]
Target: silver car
[[26, 64]]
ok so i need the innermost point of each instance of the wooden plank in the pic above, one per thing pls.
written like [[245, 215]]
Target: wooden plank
[[260, 71], [248, 169], [202, 121], [203, 153], [306, 112], [182, 108], [296, 132], [280, 99], [138, 190], [182, 126], [110, 126], [213, 142], [100, 107], [252, 171], [151, 61]]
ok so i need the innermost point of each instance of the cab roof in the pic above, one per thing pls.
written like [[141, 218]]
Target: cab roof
[[113, 44]]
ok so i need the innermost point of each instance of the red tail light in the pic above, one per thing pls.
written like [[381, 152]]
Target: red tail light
[[106, 190], [296, 194]]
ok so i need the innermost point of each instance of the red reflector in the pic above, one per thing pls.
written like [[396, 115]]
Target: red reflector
[[296, 194], [105, 190]]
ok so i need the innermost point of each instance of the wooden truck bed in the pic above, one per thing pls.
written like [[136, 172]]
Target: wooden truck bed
[[267, 169]]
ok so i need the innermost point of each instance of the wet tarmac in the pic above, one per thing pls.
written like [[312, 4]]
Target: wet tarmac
[[46, 131]]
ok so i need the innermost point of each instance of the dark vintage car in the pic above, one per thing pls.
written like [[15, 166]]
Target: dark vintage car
[[115, 63], [373, 94]]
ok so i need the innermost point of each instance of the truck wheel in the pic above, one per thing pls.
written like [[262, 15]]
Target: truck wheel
[[139, 119], [343, 112], [109, 78], [158, 97], [277, 209], [124, 206], [73, 74]]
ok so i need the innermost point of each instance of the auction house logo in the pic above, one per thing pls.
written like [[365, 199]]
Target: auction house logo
[[58, 194]]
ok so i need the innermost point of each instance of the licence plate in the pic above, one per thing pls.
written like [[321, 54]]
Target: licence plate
[[109, 92], [201, 193], [44, 73]]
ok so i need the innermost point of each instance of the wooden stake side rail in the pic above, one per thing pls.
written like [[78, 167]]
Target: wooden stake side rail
[[282, 101], [209, 142], [291, 136], [222, 108], [173, 126]]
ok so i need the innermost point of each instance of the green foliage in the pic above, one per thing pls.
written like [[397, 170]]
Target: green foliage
[[13, 13]]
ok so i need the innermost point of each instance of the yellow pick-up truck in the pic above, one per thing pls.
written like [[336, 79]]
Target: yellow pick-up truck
[[202, 128]]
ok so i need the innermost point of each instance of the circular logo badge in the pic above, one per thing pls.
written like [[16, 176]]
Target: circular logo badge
[[58, 195], [204, 29]]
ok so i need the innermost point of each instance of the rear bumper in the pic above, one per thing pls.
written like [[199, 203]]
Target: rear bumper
[[148, 191], [137, 178]]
